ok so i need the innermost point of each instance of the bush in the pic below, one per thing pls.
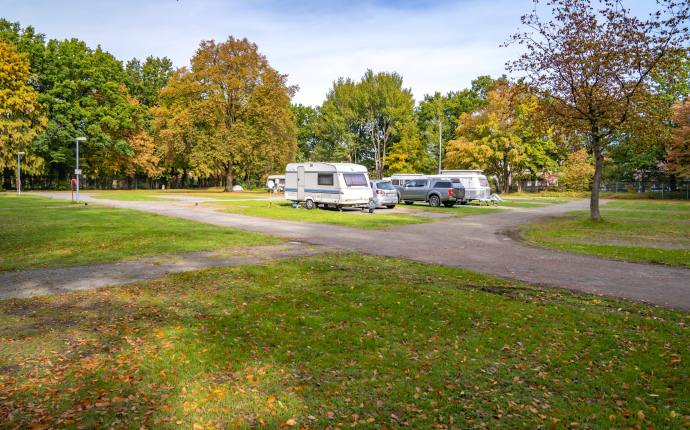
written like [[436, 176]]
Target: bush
[[577, 172]]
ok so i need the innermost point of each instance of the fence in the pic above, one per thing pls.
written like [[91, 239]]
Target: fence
[[653, 189], [666, 189]]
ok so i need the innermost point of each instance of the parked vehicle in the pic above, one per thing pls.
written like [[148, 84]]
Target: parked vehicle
[[277, 181], [384, 193], [400, 179], [435, 191], [328, 184], [475, 183]]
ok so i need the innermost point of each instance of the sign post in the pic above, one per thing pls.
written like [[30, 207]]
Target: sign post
[[77, 171], [20, 154]]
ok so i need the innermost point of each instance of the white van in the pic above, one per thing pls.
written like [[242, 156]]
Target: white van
[[328, 184], [475, 183]]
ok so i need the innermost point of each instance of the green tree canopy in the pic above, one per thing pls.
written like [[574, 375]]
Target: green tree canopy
[[366, 121]]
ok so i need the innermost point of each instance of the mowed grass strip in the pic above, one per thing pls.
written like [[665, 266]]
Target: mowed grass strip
[[34, 234], [340, 341], [644, 231], [10, 201], [157, 195], [283, 210]]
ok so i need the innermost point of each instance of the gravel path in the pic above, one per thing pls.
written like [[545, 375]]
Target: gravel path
[[40, 282], [481, 243]]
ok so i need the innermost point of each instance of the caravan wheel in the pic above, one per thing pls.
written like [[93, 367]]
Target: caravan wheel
[[309, 204]]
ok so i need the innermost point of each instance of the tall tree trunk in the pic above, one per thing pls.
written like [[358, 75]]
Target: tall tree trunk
[[228, 177], [594, 213]]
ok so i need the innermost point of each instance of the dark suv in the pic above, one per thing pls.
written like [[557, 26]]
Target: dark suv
[[433, 190]]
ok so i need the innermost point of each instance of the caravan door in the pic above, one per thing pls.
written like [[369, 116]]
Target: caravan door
[[300, 183]]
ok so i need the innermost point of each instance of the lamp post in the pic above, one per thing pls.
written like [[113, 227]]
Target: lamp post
[[440, 140], [20, 154], [77, 171]]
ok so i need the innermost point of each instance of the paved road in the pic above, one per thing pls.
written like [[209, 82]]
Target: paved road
[[480, 243]]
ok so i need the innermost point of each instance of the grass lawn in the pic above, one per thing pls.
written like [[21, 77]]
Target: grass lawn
[[458, 211], [11, 201], [283, 210], [339, 341], [157, 195], [34, 234], [645, 230]]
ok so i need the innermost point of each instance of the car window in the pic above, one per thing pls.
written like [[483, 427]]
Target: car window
[[355, 179], [384, 185], [442, 184], [421, 184], [325, 179]]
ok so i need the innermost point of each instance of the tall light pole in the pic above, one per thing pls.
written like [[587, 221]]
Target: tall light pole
[[440, 140], [20, 154], [77, 171]]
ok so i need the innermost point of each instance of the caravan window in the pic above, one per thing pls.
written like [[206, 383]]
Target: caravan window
[[483, 182], [355, 179], [395, 182], [325, 179]]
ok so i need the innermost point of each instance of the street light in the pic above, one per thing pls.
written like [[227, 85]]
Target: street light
[[440, 140], [20, 154], [77, 171]]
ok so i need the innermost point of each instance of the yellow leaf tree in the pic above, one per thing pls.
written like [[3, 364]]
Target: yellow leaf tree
[[504, 139], [21, 117]]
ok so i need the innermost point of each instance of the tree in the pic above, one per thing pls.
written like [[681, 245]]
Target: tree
[[85, 95], [29, 42], [446, 109], [596, 65], [337, 125], [21, 116], [504, 138], [364, 121], [679, 148], [144, 81], [306, 121], [235, 112], [577, 170]]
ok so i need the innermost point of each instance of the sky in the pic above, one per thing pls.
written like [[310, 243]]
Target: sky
[[435, 45]]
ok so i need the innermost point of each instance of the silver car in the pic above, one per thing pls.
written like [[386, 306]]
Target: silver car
[[385, 193]]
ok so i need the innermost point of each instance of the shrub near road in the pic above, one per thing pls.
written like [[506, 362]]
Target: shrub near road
[[337, 341]]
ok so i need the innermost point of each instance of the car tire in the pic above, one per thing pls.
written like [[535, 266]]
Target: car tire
[[434, 201], [309, 204], [409, 202], [390, 206]]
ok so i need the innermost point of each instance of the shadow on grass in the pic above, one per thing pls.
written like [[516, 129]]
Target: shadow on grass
[[334, 341]]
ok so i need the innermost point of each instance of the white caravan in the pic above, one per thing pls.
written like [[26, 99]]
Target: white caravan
[[275, 183], [475, 183], [328, 184]]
